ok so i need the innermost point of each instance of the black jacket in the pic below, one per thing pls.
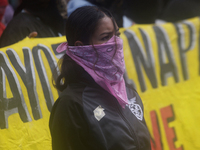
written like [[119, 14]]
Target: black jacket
[[86, 117], [178, 10], [21, 26], [45, 20]]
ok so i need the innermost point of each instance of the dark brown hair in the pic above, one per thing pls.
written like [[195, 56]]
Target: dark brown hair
[[80, 26]]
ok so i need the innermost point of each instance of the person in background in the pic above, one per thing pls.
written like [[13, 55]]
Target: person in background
[[72, 5], [41, 17], [62, 5], [96, 109], [125, 12], [178, 10], [14, 3], [3, 4], [8, 15], [142, 11], [114, 6]]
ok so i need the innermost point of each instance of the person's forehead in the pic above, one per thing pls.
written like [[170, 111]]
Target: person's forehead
[[105, 25]]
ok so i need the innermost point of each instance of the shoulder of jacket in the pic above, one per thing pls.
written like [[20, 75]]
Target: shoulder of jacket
[[72, 94]]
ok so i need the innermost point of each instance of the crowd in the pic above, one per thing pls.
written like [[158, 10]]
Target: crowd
[[96, 109], [46, 18], [19, 18]]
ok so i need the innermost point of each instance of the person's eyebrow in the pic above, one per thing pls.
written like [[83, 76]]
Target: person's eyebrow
[[109, 32], [106, 33]]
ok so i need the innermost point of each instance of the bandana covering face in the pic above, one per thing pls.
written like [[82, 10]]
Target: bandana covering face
[[104, 62]]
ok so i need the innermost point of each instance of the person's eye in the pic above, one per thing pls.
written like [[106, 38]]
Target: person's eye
[[118, 34], [105, 38]]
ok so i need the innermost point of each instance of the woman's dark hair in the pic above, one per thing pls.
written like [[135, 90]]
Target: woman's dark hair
[[80, 26], [82, 23]]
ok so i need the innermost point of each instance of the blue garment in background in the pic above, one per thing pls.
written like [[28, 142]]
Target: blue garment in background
[[74, 4]]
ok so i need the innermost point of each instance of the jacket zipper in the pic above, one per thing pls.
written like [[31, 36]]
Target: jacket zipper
[[129, 126]]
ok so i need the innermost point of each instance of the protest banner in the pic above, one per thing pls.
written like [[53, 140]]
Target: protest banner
[[162, 63]]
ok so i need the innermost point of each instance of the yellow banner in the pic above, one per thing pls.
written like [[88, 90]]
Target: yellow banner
[[162, 63], [27, 94]]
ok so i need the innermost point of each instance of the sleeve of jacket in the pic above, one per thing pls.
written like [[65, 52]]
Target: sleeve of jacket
[[67, 125], [13, 34]]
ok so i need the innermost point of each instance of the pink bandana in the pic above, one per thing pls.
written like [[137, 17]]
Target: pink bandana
[[104, 63]]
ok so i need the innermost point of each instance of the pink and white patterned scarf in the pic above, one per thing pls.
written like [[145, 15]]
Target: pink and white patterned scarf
[[104, 62]]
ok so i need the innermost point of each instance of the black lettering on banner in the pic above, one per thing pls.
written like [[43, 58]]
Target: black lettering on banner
[[58, 55], [128, 81], [181, 44], [27, 75], [42, 72], [199, 47], [140, 59], [165, 50], [16, 104]]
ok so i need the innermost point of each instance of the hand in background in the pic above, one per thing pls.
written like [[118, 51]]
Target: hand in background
[[33, 34]]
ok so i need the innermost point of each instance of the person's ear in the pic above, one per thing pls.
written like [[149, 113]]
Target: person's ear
[[78, 43]]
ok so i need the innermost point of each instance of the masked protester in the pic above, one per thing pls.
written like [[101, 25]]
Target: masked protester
[[95, 110], [45, 17]]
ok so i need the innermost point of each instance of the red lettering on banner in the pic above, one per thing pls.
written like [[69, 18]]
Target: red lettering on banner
[[156, 143], [168, 116]]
